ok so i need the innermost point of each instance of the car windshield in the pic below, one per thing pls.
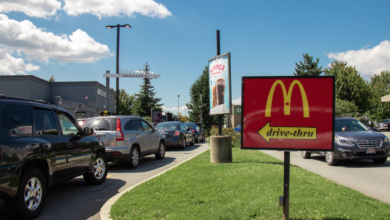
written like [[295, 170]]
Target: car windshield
[[350, 125], [163, 126]]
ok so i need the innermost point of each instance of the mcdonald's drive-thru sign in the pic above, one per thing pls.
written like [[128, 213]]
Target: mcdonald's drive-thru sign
[[288, 113]]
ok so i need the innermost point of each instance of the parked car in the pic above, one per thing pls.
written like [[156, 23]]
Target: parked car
[[383, 124], [176, 133], [40, 146], [127, 138], [237, 128], [198, 131], [353, 141]]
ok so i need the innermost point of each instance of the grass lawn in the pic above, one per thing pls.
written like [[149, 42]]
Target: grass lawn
[[248, 188]]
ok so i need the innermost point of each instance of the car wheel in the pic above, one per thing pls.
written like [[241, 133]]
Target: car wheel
[[193, 141], [30, 197], [203, 139], [134, 158], [161, 151], [305, 154], [197, 139], [329, 158], [99, 174], [381, 160], [184, 144]]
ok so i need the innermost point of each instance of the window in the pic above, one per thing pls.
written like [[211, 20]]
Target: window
[[17, 119], [136, 125], [49, 124], [67, 125], [146, 126], [101, 124], [183, 126], [37, 123], [128, 126]]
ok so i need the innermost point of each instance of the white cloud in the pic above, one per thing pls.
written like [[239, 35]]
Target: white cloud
[[174, 109], [108, 8], [236, 101], [32, 8], [367, 61], [10, 65], [39, 45]]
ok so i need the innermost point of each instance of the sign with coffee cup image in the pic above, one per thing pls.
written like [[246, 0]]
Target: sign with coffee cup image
[[219, 77]]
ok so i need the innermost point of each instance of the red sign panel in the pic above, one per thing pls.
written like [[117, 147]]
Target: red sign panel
[[288, 113]]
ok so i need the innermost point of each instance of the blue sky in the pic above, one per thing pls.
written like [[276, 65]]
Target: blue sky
[[68, 39]]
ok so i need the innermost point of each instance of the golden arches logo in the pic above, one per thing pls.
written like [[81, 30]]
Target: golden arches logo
[[287, 98]]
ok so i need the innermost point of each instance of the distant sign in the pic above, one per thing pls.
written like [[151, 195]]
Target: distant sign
[[237, 110], [105, 113], [288, 113], [156, 116], [219, 76]]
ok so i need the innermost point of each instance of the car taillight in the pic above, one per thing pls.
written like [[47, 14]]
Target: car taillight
[[119, 133], [176, 133], [193, 131]]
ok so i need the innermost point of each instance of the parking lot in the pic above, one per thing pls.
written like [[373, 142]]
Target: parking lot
[[77, 200]]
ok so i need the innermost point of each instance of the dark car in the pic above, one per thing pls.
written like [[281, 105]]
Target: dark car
[[127, 138], [176, 133], [42, 145], [354, 141], [383, 124], [198, 131]]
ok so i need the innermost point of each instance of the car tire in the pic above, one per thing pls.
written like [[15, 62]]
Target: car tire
[[197, 139], [329, 158], [305, 154], [184, 144], [99, 173], [161, 151], [203, 139], [380, 160], [19, 208], [193, 140], [134, 158]]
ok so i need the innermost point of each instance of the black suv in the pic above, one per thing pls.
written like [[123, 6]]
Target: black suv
[[354, 141], [41, 145]]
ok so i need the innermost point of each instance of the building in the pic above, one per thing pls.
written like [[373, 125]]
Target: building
[[81, 99], [236, 116]]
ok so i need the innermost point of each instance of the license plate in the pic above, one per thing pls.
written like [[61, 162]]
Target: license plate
[[370, 151]]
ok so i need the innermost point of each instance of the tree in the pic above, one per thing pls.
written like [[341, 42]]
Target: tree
[[308, 67], [183, 118], [52, 79], [145, 99], [349, 85], [380, 87], [126, 103], [201, 87], [344, 107]]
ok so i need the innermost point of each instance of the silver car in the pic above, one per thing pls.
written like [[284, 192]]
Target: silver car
[[127, 138]]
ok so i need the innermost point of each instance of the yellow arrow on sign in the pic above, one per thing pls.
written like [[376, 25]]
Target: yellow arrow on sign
[[298, 133]]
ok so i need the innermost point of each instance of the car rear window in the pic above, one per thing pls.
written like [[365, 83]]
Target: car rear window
[[190, 125], [101, 124], [163, 126], [17, 119]]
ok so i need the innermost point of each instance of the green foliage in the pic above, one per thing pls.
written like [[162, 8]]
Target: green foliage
[[236, 137], [126, 103], [52, 79], [248, 188], [308, 67], [201, 87], [344, 107], [145, 99], [380, 87], [349, 85]]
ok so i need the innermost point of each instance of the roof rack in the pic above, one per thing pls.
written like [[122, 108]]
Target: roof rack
[[20, 99]]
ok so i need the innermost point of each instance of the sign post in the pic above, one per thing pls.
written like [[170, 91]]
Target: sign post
[[288, 114]]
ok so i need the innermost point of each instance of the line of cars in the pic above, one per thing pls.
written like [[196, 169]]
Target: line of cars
[[43, 145]]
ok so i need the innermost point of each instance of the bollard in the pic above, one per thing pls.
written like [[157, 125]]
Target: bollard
[[220, 149]]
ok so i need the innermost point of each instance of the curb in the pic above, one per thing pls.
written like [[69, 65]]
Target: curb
[[106, 208]]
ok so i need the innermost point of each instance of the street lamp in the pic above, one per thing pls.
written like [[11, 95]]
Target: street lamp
[[118, 26], [151, 115], [200, 108], [178, 96]]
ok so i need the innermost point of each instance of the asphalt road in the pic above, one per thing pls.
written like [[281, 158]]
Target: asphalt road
[[362, 175], [77, 200]]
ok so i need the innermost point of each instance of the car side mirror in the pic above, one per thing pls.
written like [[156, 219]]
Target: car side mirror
[[88, 131]]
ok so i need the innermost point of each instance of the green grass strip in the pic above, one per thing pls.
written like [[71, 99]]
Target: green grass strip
[[248, 188]]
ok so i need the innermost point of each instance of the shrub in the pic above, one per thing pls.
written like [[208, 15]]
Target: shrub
[[236, 137]]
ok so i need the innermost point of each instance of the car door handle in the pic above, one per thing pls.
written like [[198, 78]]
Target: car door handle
[[70, 145], [46, 146]]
